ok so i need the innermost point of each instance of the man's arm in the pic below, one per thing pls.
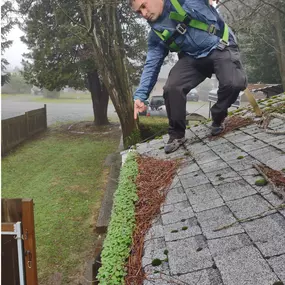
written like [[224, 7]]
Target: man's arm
[[157, 51]]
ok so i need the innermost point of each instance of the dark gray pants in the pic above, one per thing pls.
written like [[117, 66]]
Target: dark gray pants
[[189, 72]]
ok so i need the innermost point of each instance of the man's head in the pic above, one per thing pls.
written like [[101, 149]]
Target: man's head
[[149, 9]]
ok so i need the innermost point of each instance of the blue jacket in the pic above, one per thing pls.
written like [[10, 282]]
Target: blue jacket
[[196, 43]]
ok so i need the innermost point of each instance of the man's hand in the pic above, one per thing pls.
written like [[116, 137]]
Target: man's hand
[[139, 107]]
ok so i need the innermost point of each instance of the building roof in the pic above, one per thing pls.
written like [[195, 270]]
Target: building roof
[[276, 88], [215, 213]]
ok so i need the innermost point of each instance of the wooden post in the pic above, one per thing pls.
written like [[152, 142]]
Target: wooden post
[[27, 124], [29, 241], [7, 227], [11, 210], [45, 107]]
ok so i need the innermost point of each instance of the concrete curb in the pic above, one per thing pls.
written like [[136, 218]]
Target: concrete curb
[[114, 161]]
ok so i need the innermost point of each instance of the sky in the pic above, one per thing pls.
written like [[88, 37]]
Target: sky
[[14, 53]]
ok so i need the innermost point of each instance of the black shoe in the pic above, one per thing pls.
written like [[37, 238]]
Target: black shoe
[[217, 129], [173, 144]]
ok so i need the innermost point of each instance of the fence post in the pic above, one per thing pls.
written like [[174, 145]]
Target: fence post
[[45, 107], [29, 241], [27, 124]]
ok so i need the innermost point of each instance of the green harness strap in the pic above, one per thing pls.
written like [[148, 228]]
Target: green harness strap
[[165, 35], [180, 16]]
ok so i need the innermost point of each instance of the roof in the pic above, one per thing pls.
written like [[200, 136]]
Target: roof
[[217, 225], [276, 88]]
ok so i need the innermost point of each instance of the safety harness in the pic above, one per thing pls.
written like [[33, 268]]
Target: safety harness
[[184, 21]]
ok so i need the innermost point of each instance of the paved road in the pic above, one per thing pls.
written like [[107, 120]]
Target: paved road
[[56, 112], [64, 112]]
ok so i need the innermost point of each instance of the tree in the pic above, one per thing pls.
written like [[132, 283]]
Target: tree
[[7, 23], [60, 55], [102, 21], [16, 84], [63, 51], [260, 26]]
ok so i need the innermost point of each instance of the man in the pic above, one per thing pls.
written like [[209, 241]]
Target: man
[[205, 45]]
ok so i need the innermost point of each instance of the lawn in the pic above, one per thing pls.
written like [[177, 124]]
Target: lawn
[[65, 98], [66, 176]]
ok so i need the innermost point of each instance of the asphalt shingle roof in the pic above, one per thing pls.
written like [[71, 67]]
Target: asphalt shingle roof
[[217, 225]]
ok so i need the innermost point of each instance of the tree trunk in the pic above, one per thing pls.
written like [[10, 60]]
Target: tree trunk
[[100, 98], [108, 49], [280, 46]]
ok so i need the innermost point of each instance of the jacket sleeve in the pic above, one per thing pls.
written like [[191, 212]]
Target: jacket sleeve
[[157, 51]]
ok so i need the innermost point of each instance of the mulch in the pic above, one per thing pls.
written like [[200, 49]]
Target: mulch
[[153, 181]]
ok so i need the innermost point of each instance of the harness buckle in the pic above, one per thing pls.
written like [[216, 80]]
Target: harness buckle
[[222, 44], [212, 29], [181, 28]]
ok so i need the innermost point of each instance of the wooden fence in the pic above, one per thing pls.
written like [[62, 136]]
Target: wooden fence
[[18, 129], [18, 246]]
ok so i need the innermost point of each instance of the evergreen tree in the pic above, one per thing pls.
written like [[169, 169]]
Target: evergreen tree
[[7, 23]]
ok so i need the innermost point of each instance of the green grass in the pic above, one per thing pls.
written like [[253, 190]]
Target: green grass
[[65, 176], [65, 98], [13, 95]]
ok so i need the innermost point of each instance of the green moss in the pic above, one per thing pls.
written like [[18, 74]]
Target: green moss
[[260, 182], [283, 169], [230, 113], [174, 231], [187, 153], [166, 259], [165, 252], [116, 247], [240, 157], [278, 283], [162, 147], [156, 271], [184, 228], [156, 262]]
